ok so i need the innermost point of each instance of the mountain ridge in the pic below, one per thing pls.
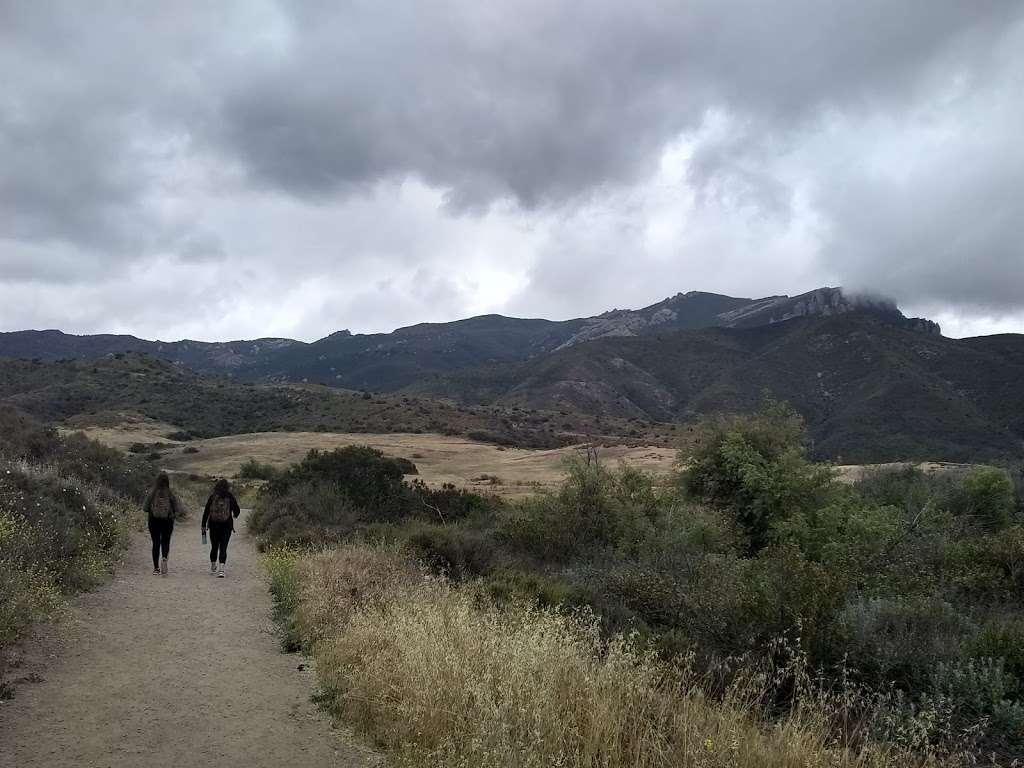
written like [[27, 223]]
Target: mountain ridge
[[391, 361], [867, 389], [870, 383]]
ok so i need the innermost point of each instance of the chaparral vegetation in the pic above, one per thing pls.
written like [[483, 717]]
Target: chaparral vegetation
[[756, 612]]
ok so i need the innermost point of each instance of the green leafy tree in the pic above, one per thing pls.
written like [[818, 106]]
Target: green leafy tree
[[753, 467]]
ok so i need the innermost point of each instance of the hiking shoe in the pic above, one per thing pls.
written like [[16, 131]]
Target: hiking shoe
[[163, 567], [156, 571], [220, 573], [213, 566]]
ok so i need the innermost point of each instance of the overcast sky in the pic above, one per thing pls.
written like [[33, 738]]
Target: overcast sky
[[233, 170]]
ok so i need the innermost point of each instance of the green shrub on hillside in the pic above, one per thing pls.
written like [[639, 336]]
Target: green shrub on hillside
[[331, 495], [256, 470], [989, 497], [596, 509], [23, 439], [1002, 639], [901, 640], [453, 551], [367, 477], [753, 468]]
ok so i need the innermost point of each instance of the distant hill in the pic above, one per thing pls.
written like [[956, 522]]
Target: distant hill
[[387, 362], [870, 389], [103, 391], [872, 384], [200, 356]]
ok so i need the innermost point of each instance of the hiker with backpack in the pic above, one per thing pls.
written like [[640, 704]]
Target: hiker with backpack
[[162, 508], [219, 518]]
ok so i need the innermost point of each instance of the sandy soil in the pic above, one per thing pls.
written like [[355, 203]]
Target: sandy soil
[[440, 459], [171, 672]]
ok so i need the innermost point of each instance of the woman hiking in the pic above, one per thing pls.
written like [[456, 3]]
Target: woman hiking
[[219, 516], [162, 507]]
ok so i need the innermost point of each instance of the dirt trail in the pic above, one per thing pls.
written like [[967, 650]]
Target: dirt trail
[[177, 671]]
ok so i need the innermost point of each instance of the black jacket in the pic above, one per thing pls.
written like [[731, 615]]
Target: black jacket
[[235, 509]]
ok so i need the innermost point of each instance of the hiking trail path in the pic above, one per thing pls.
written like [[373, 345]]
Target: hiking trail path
[[171, 672]]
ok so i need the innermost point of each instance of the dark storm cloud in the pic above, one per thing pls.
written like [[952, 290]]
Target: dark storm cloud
[[865, 142], [546, 100]]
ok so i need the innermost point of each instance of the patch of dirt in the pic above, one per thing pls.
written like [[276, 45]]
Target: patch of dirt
[[168, 672]]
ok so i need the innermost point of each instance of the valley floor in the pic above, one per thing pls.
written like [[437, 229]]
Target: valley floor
[[171, 672], [508, 472], [440, 458]]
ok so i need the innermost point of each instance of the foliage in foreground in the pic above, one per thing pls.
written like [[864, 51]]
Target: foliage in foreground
[[66, 506], [906, 587], [440, 675]]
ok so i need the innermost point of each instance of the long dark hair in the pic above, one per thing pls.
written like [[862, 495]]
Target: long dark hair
[[162, 484], [221, 488]]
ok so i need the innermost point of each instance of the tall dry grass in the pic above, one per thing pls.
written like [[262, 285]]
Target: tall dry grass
[[437, 675]]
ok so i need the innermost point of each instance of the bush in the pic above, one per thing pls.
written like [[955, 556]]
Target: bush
[[306, 513], [596, 509], [1002, 639], [976, 693], [329, 496], [452, 551], [989, 497], [908, 488], [56, 536], [369, 479], [447, 503], [255, 470], [753, 468], [22, 438], [902, 640], [29, 592]]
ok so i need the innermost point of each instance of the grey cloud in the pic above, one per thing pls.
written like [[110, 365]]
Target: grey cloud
[[226, 136], [545, 101], [956, 239], [201, 247]]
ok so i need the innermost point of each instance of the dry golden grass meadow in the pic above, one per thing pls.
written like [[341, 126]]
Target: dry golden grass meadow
[[440, 459]]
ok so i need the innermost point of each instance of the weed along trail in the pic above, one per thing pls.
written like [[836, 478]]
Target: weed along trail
[[178, 671]]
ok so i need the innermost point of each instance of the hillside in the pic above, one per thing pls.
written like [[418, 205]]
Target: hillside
[[200, 356], [90, 393], [386, 362], [872, 384], [870, 390]]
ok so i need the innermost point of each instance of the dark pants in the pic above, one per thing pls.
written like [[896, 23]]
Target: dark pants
[[220, 533], [160, 529]]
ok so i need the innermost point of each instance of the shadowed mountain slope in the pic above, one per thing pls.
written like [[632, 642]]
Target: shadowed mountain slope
[[869, 389], [131, 385]]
